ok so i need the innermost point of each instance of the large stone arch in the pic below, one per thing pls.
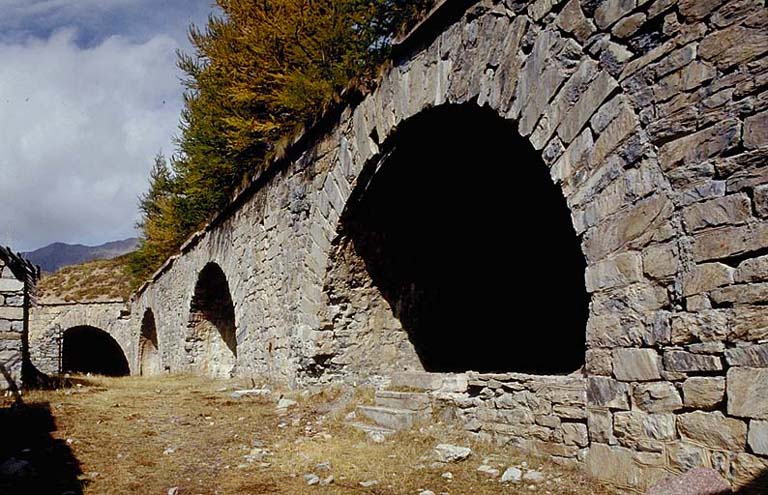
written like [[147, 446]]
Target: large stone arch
[[569, 107], [456, 240], [150, 362], [48, 323], [656, 192], [87, 349], [211, 341]]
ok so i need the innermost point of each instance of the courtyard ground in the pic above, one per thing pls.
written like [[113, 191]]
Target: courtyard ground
[[182, 435]]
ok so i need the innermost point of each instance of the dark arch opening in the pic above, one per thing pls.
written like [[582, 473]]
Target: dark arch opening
[[88, 349], [471, 243], [149, 356], [212, 323]]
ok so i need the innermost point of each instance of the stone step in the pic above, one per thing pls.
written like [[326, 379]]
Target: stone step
[[416, 380], [429, 382], [369, 428], [415, 401], [394, 419]]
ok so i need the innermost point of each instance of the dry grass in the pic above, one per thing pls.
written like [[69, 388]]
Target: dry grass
[[98, 280], [147, 435]]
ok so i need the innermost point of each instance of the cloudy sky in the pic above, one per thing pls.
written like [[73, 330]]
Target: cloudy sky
[[89, 93]]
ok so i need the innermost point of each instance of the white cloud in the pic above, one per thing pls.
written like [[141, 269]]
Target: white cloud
[[78, 132]]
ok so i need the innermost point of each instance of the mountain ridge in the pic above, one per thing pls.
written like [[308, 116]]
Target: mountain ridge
[[60, 254]]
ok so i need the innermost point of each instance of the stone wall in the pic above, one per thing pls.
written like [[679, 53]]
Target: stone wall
[[11, 326], [17, 288], [652, 117], [48, 322]]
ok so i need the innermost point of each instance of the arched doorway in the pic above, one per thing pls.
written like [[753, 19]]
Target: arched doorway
[[87, 349], [149, 356], [212, 335], [460, 229]]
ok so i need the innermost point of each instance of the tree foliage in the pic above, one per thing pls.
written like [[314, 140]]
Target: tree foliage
[[261, 70]]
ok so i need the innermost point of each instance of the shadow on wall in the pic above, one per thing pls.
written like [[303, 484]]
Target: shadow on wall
[[470, 242], [31, 460], [758, 486]]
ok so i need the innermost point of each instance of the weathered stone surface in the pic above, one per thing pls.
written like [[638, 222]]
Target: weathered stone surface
[[617, 131], [753, 356], [687, 362], [705, 326], [756, 130], [10, 285], [629, 25], [575, 434], [606, 392], [734, 209], [698, 9], [631, 365], [734, 45], [758, 437], [622, 269], [703, 392], [748, 473], [600, 426], [761, 200], [697, 147], [446, 452], [707, 276], [660, 260], [747, 391], [713, 430], [588, 103], [750, 323], [656, 397], [686, 79], [11, 313], [684, 456], [610, 331], [752, 270], [598, 362], [642, 431], [741, 294], [626, 226], [698, 481], [724, 242], [616, 464], [572, 20], [610, 11]]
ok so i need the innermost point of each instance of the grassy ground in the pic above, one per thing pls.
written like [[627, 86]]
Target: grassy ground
[[187, 435]]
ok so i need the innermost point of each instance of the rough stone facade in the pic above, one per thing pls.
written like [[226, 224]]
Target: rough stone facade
[[652, 116], [48, 323], [17, 281]]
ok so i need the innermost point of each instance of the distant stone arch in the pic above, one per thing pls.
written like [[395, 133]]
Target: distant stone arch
[[87, 349], [211, 336], [149, 354]]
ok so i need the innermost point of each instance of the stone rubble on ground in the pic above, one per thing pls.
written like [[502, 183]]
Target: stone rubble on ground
[[253, 392], [511, 475], [451, 453]]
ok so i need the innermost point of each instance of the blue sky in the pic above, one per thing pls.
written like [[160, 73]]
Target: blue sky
[[89, 93]]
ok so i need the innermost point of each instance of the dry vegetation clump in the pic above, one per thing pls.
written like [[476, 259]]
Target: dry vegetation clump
[[150, 435], [100, 280]]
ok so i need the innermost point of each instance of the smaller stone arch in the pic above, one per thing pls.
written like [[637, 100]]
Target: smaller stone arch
[[149, 354], [211, 337], [87, 349]]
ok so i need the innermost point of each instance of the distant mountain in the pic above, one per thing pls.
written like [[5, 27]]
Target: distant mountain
[[56, 255]]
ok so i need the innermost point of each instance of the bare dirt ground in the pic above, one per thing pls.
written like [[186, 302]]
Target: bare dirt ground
[[181, 435]]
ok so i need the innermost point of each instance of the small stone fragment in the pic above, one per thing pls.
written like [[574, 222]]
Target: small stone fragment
[[451, 453], [511, 475]]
